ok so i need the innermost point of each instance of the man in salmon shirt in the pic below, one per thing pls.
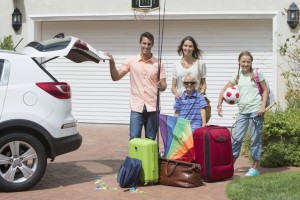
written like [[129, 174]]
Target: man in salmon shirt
[[144, 84]]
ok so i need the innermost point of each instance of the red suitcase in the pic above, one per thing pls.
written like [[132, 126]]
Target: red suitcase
[[214, 152]]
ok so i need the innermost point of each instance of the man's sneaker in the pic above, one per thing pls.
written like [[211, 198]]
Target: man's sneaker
[[252, 172]]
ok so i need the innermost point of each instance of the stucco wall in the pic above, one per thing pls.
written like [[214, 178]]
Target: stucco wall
[[78, 7], [53, 7]]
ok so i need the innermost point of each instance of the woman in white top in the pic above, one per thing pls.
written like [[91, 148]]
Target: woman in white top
[[190, 62]]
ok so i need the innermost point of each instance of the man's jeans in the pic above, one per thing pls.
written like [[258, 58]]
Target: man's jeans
[[146, 119]]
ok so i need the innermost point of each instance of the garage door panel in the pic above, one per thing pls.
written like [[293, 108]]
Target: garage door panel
[[97, 99]]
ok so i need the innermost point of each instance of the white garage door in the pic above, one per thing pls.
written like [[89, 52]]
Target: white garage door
[[97, 99]]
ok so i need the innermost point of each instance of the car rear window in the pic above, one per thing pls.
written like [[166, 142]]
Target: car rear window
[[50, 45]]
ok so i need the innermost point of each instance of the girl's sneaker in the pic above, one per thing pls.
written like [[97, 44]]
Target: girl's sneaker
[[252, 172]]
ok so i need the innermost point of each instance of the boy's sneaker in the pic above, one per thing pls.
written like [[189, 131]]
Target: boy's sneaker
[[252, 172]]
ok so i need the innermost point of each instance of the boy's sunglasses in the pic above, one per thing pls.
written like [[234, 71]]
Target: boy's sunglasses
[[189, 83]]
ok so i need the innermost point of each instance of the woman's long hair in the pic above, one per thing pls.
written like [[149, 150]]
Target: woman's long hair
[[197, 53]]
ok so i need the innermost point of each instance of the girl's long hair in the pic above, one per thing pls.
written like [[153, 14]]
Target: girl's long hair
[[244, 53]]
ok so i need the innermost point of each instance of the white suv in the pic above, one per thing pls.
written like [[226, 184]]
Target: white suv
[[36, 122]]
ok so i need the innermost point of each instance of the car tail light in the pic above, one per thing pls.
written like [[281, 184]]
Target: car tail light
[[59, 90], [81, 44], [69, 125]]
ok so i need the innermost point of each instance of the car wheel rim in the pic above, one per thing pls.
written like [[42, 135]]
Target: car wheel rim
[[18, 161]]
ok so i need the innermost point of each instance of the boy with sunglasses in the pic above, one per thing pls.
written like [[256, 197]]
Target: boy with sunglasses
[[192, 104]]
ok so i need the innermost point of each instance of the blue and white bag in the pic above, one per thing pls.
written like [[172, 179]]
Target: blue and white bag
[[129, 172]]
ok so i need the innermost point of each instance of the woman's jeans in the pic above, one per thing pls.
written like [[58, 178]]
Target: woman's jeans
[[242, 124], [146, 119]]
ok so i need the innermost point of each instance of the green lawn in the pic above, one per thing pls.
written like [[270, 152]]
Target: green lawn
[[270, 186]]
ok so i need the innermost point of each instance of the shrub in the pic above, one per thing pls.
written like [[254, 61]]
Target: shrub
[[281, 138], [290, 52], [275, 155], [7, 43], [281, 131]]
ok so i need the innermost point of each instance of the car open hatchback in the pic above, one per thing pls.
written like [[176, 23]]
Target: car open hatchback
[[36, 121]]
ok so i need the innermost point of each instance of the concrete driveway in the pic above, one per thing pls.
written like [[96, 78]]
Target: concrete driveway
[[73, 175]]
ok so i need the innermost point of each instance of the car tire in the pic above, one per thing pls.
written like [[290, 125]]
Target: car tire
[[23, 161]]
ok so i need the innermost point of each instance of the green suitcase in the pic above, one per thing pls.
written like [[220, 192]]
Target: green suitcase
[[145, 150]]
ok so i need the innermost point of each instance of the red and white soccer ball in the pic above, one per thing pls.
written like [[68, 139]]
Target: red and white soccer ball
[[231, 95]]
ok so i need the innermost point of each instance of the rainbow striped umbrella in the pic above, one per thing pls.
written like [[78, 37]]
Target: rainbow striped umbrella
[[177, 137]]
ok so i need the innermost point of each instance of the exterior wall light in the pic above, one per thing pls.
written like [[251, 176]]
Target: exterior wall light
[[293, 16], [16, 19]]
